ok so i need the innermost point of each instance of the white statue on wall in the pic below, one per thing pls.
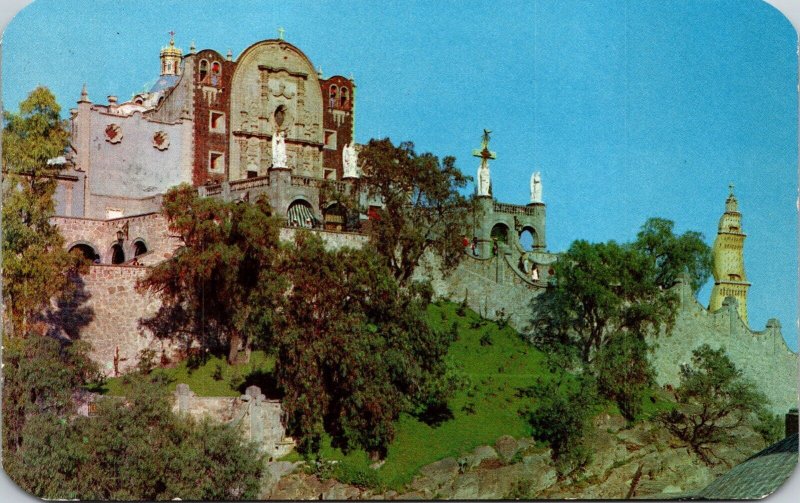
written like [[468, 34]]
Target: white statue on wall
[[350, 161], [278, 150], [484, 180], [536, 188]]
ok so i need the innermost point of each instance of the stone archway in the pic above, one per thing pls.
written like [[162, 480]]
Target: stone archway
[[500, 233], [528, 239], [300, 214], [86, 251], [117, 254]]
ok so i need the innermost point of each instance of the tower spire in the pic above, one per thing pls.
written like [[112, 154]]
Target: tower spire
[[171, 57], [728, 257]]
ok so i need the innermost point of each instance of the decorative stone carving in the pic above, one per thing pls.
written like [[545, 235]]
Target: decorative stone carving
[[113, 133], [278, 150], [161, 140], [350, 161], [536, 188]]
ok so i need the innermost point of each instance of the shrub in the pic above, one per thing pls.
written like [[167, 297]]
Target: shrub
[[561, 417], [147, 361], [714, 399]]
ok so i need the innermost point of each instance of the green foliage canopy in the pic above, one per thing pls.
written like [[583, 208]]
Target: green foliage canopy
[[35, 265], [602, 291], [221, 288], [423, 209], [136, 449], [353, 348], [673, 254]]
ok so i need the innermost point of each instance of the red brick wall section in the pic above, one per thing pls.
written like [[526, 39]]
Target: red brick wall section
[[210, 96], [344, 131]]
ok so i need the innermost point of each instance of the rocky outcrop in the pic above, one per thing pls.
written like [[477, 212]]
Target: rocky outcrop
[[640, 461]]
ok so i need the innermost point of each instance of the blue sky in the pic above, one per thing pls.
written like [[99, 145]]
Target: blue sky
[[630, 109]]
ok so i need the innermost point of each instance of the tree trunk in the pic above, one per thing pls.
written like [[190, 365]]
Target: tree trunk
[[233, 350]]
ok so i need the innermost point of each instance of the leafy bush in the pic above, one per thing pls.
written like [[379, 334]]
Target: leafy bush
[[561, 417], [769, 426], [147, 361]]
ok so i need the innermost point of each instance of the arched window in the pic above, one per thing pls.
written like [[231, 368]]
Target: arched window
[[117, 254], [333, 96], [345, 97], [139, 248], [203, 69], [527, 238], [300, 214], [216, 70], [86, 252]]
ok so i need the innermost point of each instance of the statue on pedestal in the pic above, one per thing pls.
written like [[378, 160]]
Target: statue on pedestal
[[484, 178], [536, 188], [278, 150]]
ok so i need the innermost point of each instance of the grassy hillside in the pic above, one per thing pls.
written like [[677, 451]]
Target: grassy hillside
[[492, 362]]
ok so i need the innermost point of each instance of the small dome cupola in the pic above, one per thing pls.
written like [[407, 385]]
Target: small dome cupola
[[171, 57]]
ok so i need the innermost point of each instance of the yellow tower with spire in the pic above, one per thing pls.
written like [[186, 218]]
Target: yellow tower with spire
[[171, 57], [729, 277]]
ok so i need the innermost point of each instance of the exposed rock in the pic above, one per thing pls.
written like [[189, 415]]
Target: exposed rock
[[506, 446], [477, 456], [413, 495], [436, 476], [339, 491], [298, 486], [465, 487], [274, 471], [610, 423]]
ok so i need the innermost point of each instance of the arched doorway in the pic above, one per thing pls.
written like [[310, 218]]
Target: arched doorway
[[300, 214], [117, 254], [85, 251], [500, 233]]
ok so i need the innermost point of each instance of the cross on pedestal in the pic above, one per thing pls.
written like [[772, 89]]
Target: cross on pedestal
[[281, 31]]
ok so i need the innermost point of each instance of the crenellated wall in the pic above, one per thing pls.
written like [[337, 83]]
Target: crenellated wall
[[762, 356]]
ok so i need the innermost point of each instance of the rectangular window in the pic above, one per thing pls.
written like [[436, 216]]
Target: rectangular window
[[330, 139], [216, 122], [216, 162]]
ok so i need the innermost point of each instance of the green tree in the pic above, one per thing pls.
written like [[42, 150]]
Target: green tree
[[714, 399], [624, 373], [35, 265], [353, 348], [674, 254], [39, 377], [136, 449], [221, 288], [423, 210], [561, 416], [602, 291]]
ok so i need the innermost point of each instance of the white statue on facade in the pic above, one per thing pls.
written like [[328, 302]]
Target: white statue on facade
[[484, 180], [536, 188], [350, 161], [278, 150]]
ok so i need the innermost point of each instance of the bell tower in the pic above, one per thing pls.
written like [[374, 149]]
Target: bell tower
[[171, 57], [729, 276]]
